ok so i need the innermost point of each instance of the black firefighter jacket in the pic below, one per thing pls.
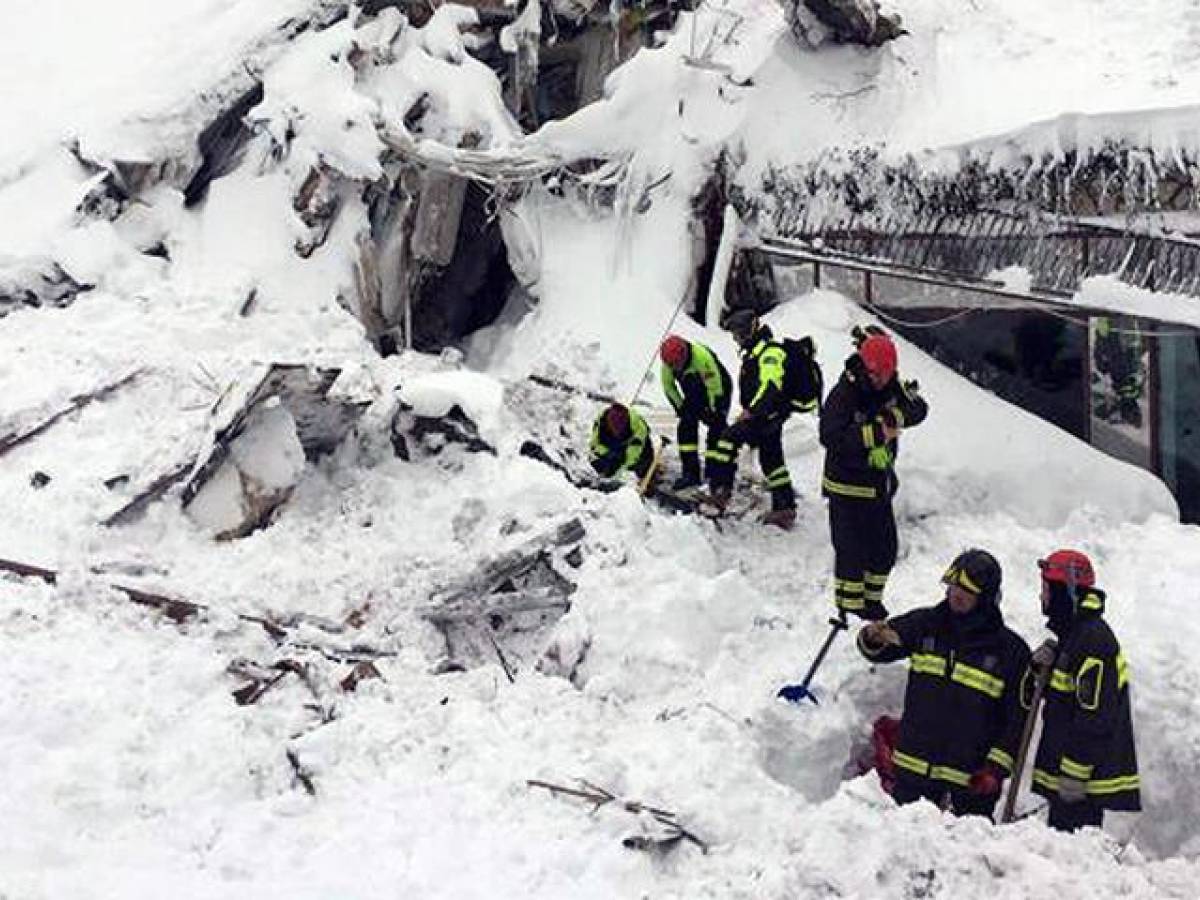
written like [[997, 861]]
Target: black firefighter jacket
[[962, 705], [1087, 729], [851, 427]]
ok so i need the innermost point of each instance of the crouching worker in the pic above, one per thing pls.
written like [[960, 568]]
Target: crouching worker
[[621, 443], [963, 712]]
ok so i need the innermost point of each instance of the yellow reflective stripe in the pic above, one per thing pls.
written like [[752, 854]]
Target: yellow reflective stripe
[[872, 578], [868, 435], [689, 448], [844, 602], [1090, 664], [848, 490], [899, 415], [954, 776], [850, 586], [779, 477], [1046, 780], [928, 663], [965, 580], [1074, 769], [978, 679], [804, 405], [874, 594], [1114, 785], [1100, 787], [1062, 681], [911, 763], [1091, 601], [1001, 758], [1122, 671]]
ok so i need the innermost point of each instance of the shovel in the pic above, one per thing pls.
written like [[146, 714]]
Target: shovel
[[794, 693]]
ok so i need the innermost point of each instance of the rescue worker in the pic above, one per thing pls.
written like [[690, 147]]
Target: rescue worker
[[861, 422], [1086, 760], [699, 389], [963, 713], [621, 442], [765, 407]]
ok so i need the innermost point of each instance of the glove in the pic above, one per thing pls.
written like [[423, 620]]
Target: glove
[[985, 783], [1071, 790], [608, 464], [879, 458], [877, 635], [1044, 656]]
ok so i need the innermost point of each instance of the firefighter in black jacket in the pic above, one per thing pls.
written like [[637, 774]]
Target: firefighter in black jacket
[[861, 423], [963, 712], [765, 407], [1086, 761], [699, 389]]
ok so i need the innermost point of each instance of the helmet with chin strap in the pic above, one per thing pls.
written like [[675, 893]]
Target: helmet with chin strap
[[976, 571]]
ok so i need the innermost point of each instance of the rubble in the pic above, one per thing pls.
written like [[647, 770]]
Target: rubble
[[286, 418], [845, 22], [506, 602]]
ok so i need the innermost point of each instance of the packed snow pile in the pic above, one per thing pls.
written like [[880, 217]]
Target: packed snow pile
[[443, 664]]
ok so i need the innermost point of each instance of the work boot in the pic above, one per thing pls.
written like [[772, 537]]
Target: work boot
[[784, 518]]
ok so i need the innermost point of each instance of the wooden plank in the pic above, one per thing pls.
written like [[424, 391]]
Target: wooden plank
[[15, 439]]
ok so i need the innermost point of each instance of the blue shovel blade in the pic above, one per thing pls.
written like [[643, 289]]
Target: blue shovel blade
[[794, 693]]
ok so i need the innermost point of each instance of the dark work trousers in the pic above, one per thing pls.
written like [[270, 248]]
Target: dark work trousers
[[767, 436], [688, 434], [961, 803], [1073, 816], [864, 549]]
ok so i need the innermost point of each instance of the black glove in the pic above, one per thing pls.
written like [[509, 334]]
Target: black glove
[[608, 464]]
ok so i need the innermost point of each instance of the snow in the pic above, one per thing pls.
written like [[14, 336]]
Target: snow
[[130, 770]]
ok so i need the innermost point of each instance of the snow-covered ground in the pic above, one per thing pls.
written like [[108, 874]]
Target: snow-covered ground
[[130, 771]]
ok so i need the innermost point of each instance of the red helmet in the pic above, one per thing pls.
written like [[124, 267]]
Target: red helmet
[[616, 419], [879, 356], [1069, 567], [674, 352]]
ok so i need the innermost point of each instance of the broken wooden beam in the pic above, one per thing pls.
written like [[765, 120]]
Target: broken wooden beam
[[503, 604], [79, 401]]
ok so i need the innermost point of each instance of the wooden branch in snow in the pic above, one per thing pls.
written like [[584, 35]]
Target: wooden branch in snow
[[600, 797], [180, 611], [16, 438], [303, 775], [508, 672]]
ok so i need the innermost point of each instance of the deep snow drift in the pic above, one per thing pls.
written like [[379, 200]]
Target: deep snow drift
[[131, 772]]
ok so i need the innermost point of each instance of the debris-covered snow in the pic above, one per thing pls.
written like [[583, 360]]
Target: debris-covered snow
[[132, 771]]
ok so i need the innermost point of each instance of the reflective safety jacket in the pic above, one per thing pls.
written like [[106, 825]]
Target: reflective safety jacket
[[962, 705], [610, 455], [851, 427], [1087, 729], [702, 390], [760, 381]]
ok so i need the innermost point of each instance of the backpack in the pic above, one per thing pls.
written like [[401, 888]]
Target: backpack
[[802, 379]]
